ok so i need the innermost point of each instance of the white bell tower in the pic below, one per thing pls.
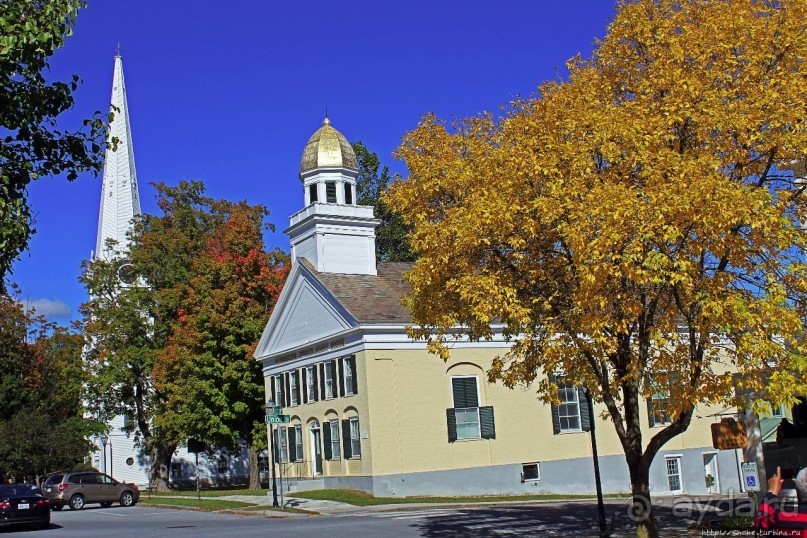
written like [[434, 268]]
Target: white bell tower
[[331, 231]]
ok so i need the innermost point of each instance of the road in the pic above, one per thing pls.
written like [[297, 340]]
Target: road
[[561, 519]]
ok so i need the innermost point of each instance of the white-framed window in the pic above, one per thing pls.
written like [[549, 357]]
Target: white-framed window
[[349, 375], [263, 464], [176, 469], [223, 465], [569, 409], [355, 438], [311, 386], [334, 425], [330, 382], [293, 392], [778, 412], [465, 392], [673, 464], [279, 390], [282, 442], [298, 438], [530, 472]]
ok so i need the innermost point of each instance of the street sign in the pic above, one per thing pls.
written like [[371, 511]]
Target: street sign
[[274, 411], [278, 419], [750, 476]]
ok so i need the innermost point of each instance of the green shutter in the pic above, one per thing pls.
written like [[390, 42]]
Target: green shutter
[[347, 449], [332, 365], [296, 373], [464, 391], [650, 419], [585, 411], [341, 377], [315, 383], [292, 444], [487, 426], [287, 392], [451, 419], [322, 381], [304, 387], [326, 440], [555, 419]]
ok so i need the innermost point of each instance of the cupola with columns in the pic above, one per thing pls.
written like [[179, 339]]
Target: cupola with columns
[[332, 232]]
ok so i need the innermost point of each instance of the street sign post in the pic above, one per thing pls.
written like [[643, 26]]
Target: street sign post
[[278, 419], [750, 476]]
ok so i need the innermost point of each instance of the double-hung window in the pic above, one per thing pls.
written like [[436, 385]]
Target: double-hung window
[[467, 420], [298, 449], [351, 442], [279, 390], [282, 445], [569, 409], [348, 371], [311, 384], [658, 405], [334, 428], [329, 379], [674, 473], [572, 413], [355, 440], [294, 389]]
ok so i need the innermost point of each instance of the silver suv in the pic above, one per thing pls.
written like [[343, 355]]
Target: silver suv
[[75, 489]]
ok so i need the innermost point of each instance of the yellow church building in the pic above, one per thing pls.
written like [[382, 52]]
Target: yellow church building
[[372, 410]]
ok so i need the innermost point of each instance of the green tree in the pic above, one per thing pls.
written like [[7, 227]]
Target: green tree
[[629, 227], [31, 146], [392, 242], [172, 350], [42, 423], [215, 390]]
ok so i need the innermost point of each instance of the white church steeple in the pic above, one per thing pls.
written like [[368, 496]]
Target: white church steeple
[[331, 231], [120, 201]]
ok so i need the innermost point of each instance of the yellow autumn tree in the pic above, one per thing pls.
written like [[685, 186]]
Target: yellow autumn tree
[[635, 228]]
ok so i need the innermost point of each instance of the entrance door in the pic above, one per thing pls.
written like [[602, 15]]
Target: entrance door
[[710, 473], [316, 448]]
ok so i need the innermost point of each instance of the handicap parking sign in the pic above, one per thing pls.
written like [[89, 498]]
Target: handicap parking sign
[[750, 476]]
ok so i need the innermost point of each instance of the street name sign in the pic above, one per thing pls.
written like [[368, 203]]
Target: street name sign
[[278, 419]]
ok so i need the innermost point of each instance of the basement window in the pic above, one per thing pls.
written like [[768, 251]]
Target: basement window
[[530, 472]]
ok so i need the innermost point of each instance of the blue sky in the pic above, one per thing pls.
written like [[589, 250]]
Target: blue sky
[[228, 94]]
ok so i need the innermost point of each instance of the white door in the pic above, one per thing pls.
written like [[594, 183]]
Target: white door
[[710, 472]]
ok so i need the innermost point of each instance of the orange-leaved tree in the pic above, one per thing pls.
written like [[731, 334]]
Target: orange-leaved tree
[[214, 389], [636, 222]]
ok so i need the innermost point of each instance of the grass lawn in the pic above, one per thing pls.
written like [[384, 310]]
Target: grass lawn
[[360, 498], [144, 494], [207, 505]]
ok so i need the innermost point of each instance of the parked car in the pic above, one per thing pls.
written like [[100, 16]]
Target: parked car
[[76, 489], [23, 504]]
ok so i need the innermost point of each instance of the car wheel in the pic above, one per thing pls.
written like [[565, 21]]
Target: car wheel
[[76, 502], [106, 505], [127, 499], [56, 507]]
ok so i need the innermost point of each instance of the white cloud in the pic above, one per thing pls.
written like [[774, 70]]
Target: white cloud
[[49, 308]]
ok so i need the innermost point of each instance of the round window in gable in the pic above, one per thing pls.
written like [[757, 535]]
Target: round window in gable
[[130, 461]]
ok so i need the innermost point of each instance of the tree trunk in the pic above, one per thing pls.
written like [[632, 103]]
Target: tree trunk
[[160, 465], [641, 510], [254, 470]]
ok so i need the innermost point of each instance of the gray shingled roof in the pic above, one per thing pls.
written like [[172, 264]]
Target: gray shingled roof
[[370, 299]]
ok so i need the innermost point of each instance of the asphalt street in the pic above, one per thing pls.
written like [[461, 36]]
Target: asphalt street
[[561, 519]]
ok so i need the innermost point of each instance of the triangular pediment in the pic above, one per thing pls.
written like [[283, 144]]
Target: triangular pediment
[[305, 313]]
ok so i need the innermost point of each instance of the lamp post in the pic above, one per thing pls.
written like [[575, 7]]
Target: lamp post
[[104, 440], [270, 404], [595, 457]]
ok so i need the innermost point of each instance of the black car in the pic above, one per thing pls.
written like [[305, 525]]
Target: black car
[[23, 504]]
